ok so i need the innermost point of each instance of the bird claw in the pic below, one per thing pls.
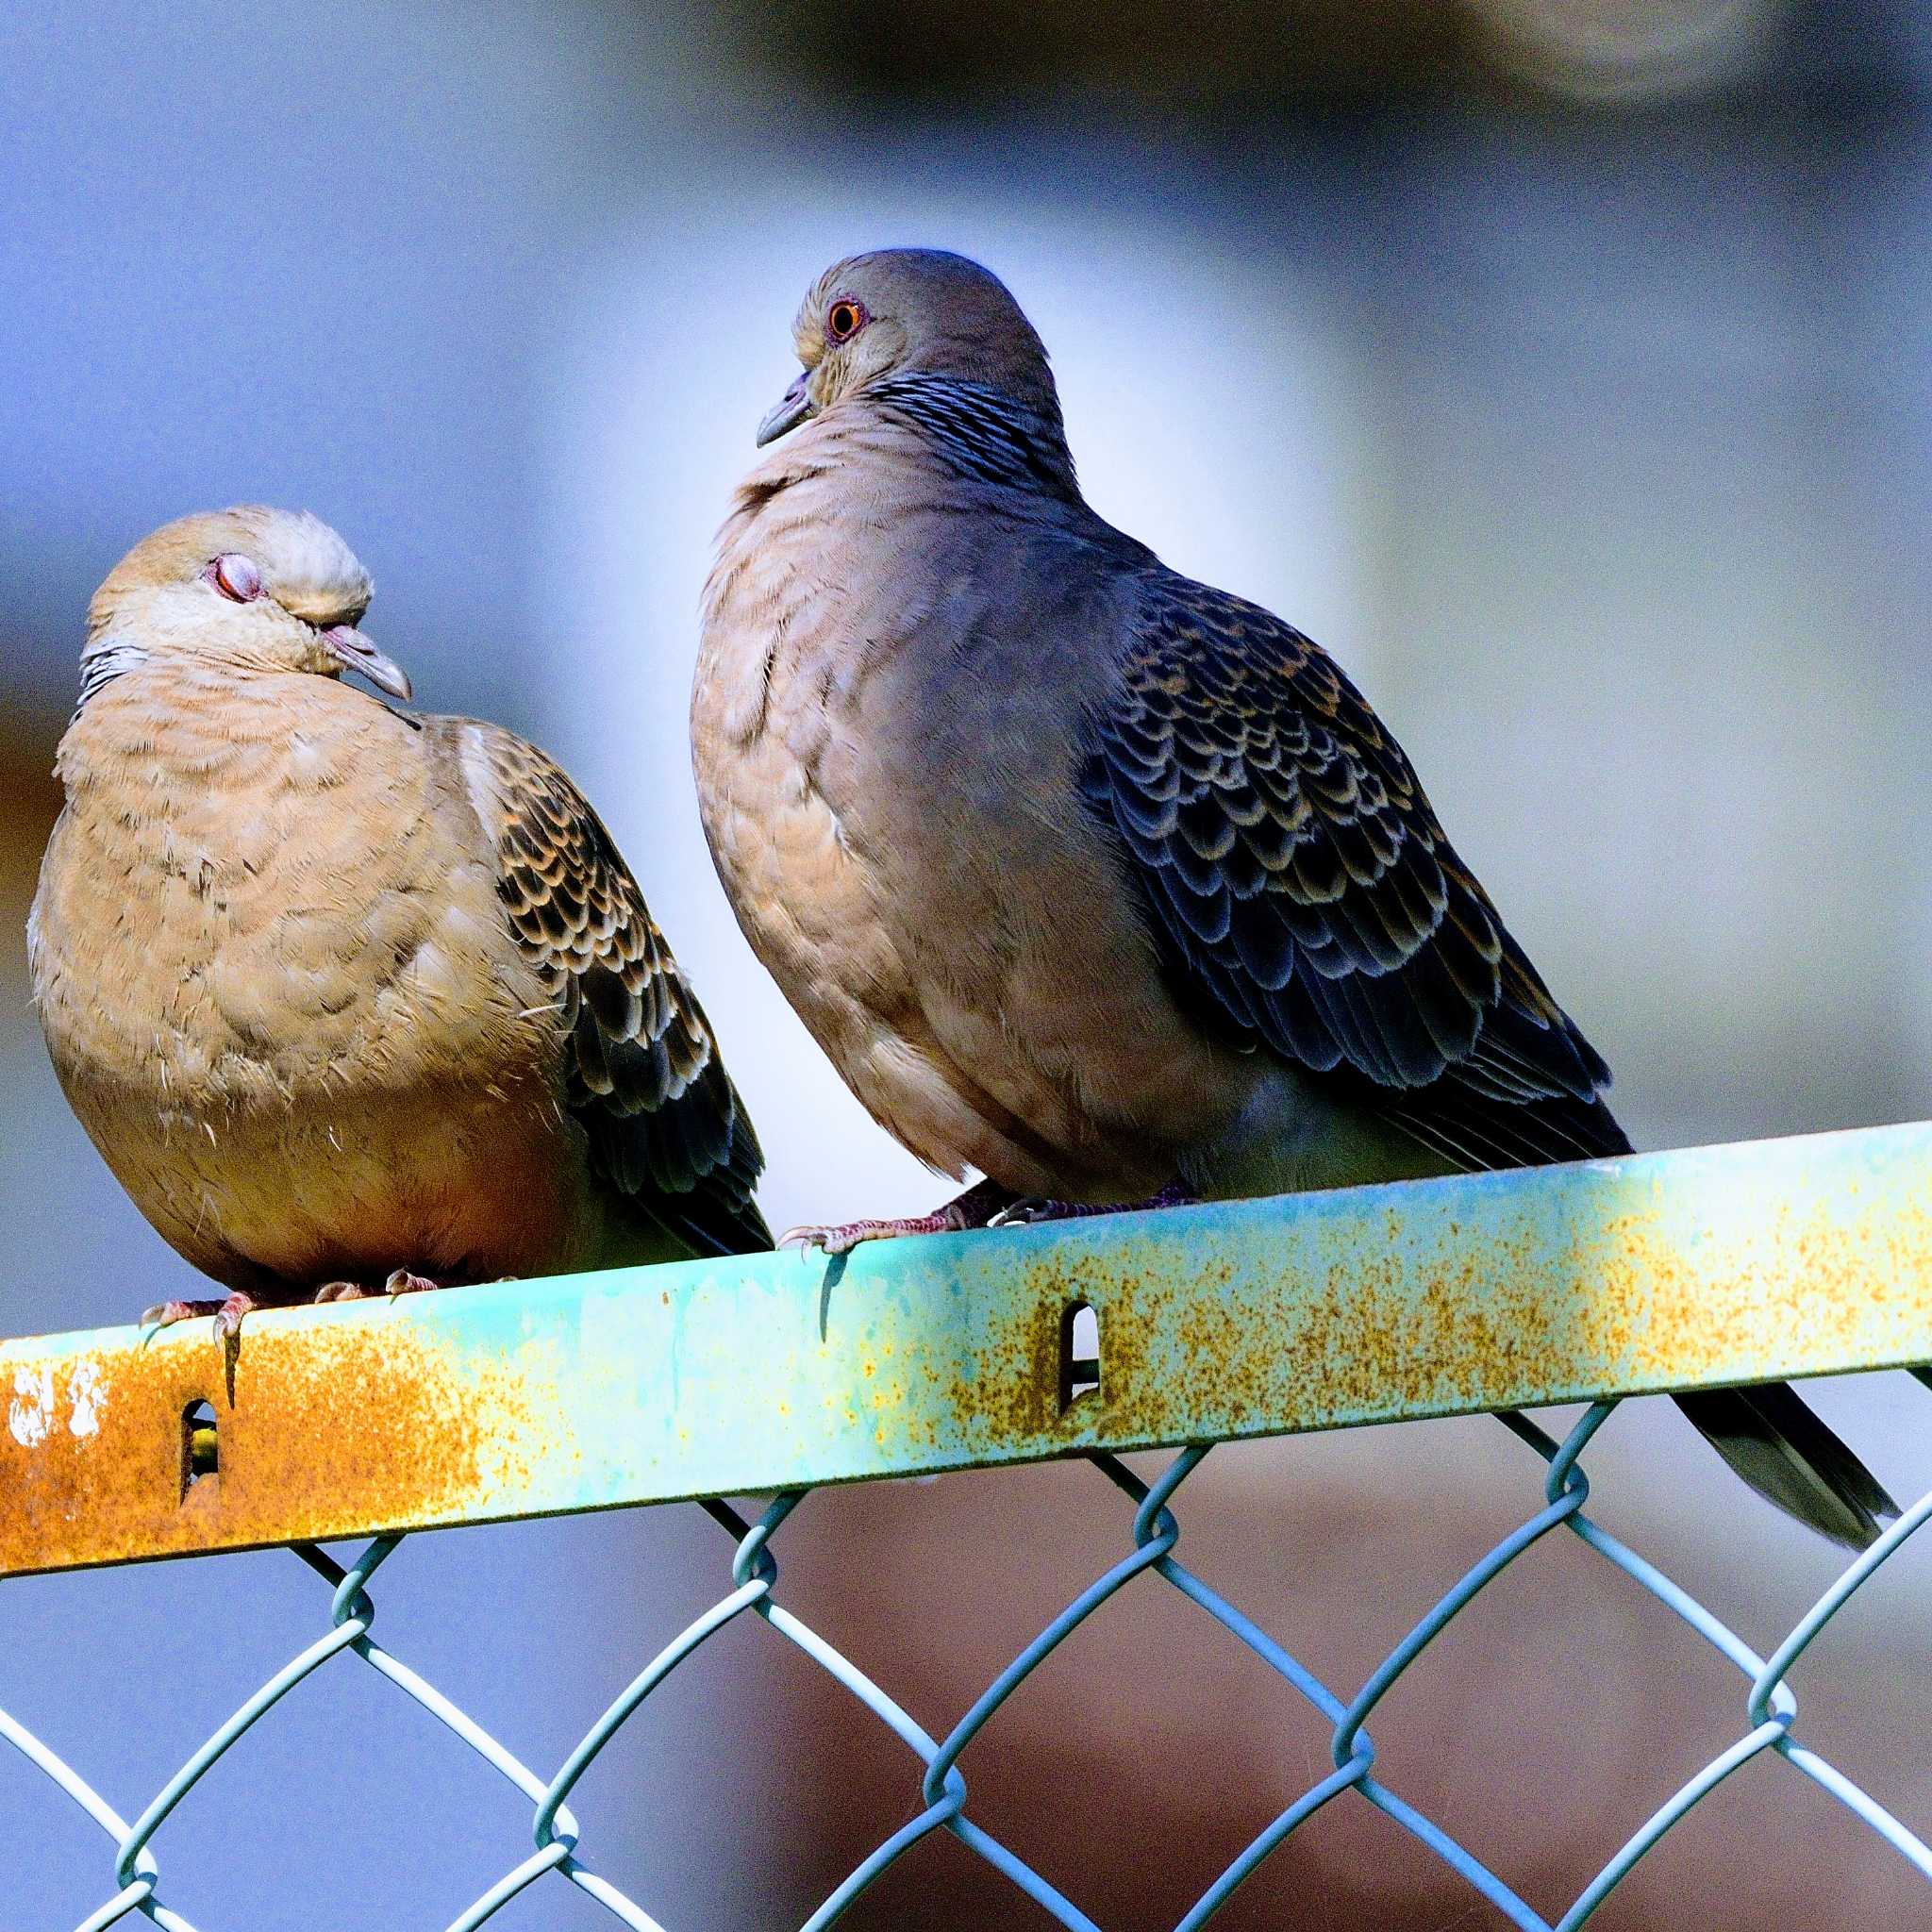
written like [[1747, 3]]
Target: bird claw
[[834, 1237], [227, 1316], [1036, 1209], [229, 1333], [165, 1314], [840, 1238], [976, 1207], [1033, 1210], [228, 1313], [400, 1281], [342, 1292]]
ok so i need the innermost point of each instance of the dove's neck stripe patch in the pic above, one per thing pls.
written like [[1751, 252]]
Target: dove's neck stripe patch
[[977, 432], [102, 666]]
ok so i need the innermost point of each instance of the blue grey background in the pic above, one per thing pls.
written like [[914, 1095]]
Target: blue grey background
[[1569, 381]]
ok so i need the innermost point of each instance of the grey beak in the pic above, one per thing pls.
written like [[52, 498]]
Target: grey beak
[[353, 652], [788, 411]]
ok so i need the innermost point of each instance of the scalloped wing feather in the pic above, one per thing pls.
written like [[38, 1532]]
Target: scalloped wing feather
[[1306, 899], [666, 1126]]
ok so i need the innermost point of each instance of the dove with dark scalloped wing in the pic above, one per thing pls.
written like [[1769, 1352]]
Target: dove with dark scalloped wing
[[1094, 878]]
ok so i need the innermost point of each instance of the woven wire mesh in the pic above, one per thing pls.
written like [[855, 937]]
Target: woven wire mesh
[[1769, 1712]]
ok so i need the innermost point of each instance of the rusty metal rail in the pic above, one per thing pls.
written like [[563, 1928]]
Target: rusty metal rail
[[1612, 1278], [1494, 1291]]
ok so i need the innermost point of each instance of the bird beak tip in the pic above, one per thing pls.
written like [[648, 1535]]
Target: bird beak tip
[[353, 652], [788, 412]]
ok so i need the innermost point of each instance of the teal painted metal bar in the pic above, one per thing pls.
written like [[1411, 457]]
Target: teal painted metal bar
[[1490, 1292], [1671, 1271]]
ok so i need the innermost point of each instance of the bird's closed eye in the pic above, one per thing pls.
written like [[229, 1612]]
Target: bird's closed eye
[[846, 317], [234, 577]]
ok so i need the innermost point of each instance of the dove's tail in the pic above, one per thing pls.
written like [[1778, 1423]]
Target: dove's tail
[[1788, 1455]]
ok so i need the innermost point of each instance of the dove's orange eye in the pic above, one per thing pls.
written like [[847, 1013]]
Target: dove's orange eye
[[234, 577], [845, 319]]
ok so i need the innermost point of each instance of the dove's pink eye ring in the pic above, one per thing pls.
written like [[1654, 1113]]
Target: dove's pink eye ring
[[846, 317], [234, 577]]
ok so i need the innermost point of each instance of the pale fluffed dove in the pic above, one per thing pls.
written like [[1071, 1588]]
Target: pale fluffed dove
[[349, 998], [1098, 880]]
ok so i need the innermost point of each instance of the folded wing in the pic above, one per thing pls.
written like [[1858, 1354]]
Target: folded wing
[[1306, 898], [665, 1124]]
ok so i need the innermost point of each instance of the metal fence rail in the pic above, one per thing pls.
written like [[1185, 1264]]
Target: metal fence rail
[[1776, 1259]]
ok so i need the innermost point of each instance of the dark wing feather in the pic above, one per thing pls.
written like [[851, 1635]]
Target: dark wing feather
[[1306, 899], [665, 1124]]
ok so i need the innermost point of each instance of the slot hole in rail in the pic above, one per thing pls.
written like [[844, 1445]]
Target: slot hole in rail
[[201, 1449], [1079, 1354]]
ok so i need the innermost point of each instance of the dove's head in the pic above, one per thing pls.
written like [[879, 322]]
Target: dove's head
[[912, 311], [257, 590]]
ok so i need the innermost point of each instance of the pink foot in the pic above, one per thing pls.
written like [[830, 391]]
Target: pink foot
[[344, 1292], [227, 1316], [401, 1281], [976, 1208], [165, 1314]]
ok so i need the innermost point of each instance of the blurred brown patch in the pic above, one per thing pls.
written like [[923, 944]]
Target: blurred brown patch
[[29, 800]]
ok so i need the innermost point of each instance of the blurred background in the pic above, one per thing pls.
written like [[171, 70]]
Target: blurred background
[[1561, 364]]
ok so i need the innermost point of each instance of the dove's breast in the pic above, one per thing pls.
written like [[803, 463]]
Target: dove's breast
[[885, 730], [277, 988]]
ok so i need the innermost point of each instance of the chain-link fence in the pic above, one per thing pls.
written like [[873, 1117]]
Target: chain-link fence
[[938, 1793], [1496, 1293]]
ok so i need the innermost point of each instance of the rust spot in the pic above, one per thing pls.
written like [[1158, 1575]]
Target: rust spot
[[334, 1427], [1368, 1320]]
